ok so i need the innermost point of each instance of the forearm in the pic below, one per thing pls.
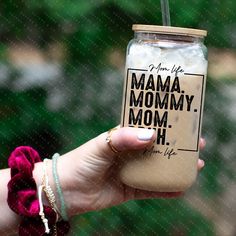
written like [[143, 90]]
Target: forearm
[[8, 219], [75, 172]]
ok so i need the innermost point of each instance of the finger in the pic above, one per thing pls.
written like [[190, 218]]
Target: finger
[[124, 139], [202, 143], [200, 164]]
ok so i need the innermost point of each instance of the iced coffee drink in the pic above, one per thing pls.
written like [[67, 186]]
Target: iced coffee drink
[[164, 90]]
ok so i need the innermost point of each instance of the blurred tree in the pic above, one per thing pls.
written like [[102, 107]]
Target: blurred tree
[[26, 121]]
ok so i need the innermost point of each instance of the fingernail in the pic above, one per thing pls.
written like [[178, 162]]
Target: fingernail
[[145, 134]]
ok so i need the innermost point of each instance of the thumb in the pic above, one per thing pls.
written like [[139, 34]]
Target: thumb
[[124, 139]]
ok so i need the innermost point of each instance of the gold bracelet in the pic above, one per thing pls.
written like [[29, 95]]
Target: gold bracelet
[[49, 193]]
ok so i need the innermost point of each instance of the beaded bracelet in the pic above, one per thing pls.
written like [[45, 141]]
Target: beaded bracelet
[[58, 187], [22, 195]]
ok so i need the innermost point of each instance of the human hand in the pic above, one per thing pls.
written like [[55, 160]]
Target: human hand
[[89, 177]]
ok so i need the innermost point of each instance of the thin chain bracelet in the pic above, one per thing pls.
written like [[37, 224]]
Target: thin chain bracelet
[[48, 190], [49, 193]]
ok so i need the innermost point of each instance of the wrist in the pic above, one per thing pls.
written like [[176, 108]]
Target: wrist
[[78, 194], [66, 181], [66, 169], [75, 193]]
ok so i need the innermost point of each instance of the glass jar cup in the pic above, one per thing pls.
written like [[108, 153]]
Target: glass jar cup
[[164, 90]]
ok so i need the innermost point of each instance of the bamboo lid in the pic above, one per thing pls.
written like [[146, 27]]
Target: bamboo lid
[[170, 30]]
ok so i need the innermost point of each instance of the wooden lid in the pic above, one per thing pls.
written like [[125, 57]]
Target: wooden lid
[[170, 30]]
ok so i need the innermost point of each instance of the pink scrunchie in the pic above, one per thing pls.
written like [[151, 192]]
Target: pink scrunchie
[[23, 197]]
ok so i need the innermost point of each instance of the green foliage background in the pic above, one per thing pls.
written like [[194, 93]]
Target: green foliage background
[[89, 30]]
